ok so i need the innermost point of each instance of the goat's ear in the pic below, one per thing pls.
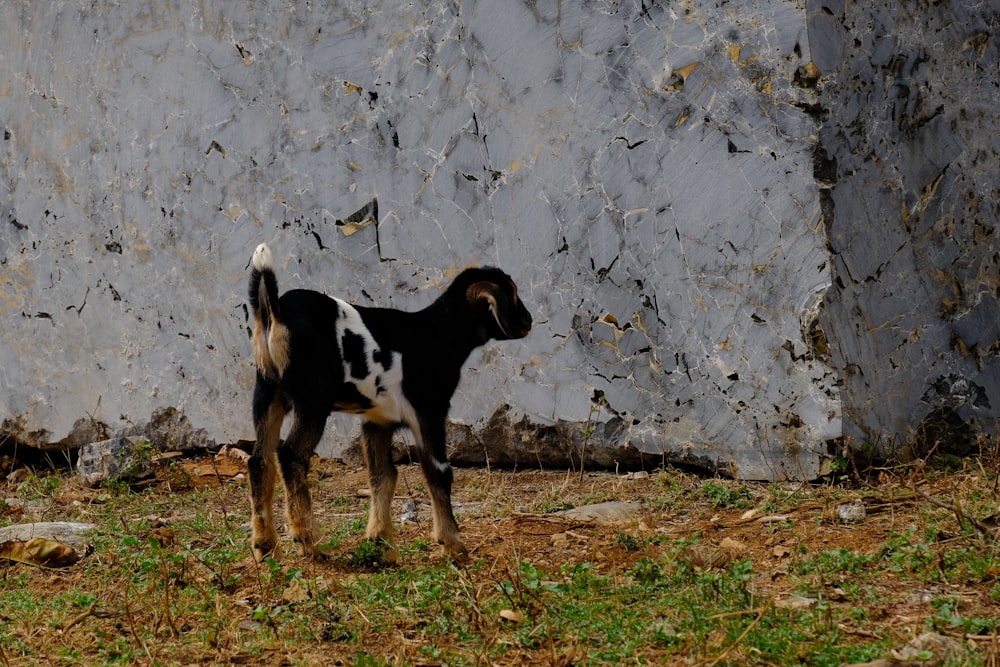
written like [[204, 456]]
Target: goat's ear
[[489, 294]]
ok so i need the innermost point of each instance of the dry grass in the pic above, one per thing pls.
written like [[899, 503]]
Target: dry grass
[[711, 572]]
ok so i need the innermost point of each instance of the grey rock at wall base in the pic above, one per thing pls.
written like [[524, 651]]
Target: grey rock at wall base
[[646, 174], [122, 458], [910, 152]]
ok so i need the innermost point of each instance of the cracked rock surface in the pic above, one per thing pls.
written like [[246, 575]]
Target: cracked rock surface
[[658, 179], [909, 152]]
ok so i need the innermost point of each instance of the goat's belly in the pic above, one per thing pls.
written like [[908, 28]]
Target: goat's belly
[[386, 410], [348, 398], [352, 408], [383, 407]]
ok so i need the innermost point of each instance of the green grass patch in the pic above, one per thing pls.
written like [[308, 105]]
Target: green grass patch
[[171, 580]]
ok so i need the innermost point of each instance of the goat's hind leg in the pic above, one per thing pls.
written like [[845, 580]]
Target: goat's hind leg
[[268, 414], [294, 455], [376, 443]]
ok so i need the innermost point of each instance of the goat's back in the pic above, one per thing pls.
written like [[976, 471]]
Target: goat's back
[[315, 372], [336, 363]]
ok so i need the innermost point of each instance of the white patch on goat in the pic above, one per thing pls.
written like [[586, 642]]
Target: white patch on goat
[[262, 258], [389, 406]]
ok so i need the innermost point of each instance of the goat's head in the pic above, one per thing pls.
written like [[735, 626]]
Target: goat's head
[[493, 297]]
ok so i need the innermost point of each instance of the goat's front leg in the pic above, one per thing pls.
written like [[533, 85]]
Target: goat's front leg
[[268, 415], [294, 456], [376, 443], [437, 471]]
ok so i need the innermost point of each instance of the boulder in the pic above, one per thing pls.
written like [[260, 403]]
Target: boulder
[[121, 458]]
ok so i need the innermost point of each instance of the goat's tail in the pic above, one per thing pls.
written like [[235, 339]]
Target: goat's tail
[[270, 336]]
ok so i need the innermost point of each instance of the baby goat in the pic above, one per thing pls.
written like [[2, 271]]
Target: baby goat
[[317, 354]]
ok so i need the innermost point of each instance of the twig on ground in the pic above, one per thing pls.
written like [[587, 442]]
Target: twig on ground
[[92, 610], [960, 515], [760, 614], [132, 627]]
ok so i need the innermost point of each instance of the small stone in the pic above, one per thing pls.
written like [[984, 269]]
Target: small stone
[[232, 452], [796, 602], [18, 476], [852, 511], [409, 514], [941, 647], [662, 629], [608, 512], [730, 544]]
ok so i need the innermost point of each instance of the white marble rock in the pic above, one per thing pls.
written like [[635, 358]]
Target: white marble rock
[[644, 171]]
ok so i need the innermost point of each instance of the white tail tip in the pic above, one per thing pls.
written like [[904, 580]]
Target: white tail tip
[[262, 258]]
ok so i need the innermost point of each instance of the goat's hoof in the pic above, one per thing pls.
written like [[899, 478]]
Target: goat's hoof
[[307, 548], [455, 552], [262, 550]]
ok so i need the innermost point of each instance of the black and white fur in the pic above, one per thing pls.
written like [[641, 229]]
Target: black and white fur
[[316, 354]]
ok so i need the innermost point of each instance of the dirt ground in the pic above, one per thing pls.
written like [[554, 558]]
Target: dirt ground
[[508, 516]]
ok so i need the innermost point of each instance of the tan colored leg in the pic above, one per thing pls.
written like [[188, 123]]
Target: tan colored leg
[[294, 456], [376, 443], [262, 471]]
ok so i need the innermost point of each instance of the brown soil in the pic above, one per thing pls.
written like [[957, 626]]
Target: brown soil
[[505, 517]]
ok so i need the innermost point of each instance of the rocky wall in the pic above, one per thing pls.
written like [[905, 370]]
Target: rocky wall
[[909, 162], [645, 171]]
